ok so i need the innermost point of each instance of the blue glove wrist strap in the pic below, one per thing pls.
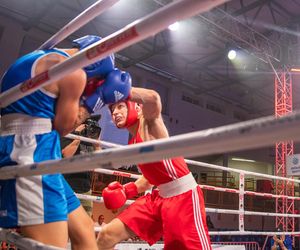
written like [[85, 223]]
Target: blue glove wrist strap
[[93, 102]]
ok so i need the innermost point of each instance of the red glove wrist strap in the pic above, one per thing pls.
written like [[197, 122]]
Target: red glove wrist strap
[[130, 190]]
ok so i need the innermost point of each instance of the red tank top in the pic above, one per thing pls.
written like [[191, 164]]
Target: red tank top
[[162, 171]]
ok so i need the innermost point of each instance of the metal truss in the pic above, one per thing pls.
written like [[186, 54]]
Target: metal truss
[[283, 106], [230, 28]]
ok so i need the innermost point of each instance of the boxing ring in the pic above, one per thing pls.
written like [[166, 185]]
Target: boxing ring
[[244, 135], [241, 135]]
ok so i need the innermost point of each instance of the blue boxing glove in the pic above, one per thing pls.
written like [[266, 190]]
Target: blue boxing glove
[[101, 68], [115, 88]]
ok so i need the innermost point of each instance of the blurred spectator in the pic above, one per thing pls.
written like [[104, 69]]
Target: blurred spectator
[[100, 222], [281, 242], [209, 223]]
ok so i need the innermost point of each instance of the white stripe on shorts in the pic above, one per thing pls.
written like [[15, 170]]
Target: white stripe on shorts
[[29, 192]]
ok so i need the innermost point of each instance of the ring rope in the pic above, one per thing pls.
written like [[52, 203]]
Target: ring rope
[[94, 141], [86, 16], [129, 35], [251, 233], [216, 210], [209, 187], [97, 199], [244, 135], [192, 162], [117, 173], [245, 172], [24, 243]]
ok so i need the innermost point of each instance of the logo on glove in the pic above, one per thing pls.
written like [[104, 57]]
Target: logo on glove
[[99, 104], [118, 95]]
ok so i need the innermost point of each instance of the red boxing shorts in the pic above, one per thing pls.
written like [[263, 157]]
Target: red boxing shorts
[[179, 220]]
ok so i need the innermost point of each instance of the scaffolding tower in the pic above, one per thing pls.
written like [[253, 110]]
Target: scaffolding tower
[[283, 106]]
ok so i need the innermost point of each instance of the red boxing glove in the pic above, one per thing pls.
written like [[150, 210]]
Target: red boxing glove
[[115, 195]]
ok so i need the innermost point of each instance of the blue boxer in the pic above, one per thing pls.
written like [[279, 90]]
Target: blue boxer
[[27, 137]]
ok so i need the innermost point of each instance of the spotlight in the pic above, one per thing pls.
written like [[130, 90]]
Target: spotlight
[[231, 54], [174, 26]]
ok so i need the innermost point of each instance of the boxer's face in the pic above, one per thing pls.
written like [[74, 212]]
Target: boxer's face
[[119, 114]]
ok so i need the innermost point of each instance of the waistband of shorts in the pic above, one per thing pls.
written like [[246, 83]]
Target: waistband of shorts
[[178, 186], [24, 124]]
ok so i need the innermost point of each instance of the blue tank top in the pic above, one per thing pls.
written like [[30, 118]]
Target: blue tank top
[[38, 104]]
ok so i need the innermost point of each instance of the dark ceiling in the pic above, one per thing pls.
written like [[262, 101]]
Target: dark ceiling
[[195, 57]]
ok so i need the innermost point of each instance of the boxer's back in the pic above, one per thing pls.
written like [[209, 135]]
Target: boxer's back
[[41, 103]]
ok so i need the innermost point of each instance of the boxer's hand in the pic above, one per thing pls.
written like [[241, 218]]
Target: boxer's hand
[[115, 195], [115, 88], [130, 190], [97, 69]]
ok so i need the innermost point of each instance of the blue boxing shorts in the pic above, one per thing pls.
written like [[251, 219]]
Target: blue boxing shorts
[[37, 199]]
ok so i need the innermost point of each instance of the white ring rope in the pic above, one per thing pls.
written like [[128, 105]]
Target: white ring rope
[[209, 187], [129, 35], [251, 233], [231, 211], [196, 163], [24, 243], [192, 162], [214, 210], [252, 193], [244, 135], [98, 142], [97, 199], [117, 173], [82, 19], [207, 165]]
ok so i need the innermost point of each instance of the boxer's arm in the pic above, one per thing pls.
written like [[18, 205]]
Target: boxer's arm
[[142, 184], [150, 100], [68, 89], [152, 107], [67, 107]]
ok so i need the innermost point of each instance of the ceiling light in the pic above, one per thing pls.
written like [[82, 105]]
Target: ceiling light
[[295, 70], [241, 159], [174, 26], [231, 54]]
